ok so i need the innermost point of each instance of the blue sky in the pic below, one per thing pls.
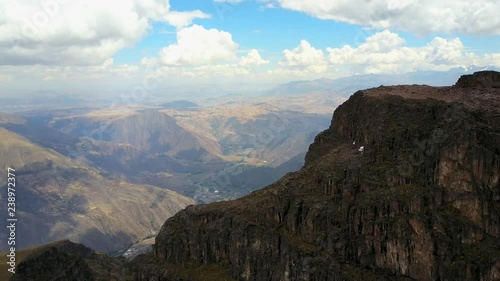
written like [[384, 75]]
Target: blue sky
[[268, 30], [271, 30], [51, 43]]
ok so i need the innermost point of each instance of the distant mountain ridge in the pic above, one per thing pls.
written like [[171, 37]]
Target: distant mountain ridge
[[194, 151], [348, 85], [180, 104]]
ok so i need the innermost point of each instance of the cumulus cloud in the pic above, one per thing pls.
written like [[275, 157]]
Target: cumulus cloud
[[304, 57], [197, 45], [442, 51], [418, 16], [252, 59], [182, 19], [385, 52], [78, 32], [201, 52]]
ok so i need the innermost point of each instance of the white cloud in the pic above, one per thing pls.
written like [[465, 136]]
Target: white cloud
[[182, 19], [78, 32], [267, 4], [304, 57], [383, 42], [197, 45], [201, 52], [252, 59], [442, 51], [384, 52], [418, 16], [229, 1]]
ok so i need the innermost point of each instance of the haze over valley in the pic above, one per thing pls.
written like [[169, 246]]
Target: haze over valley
[[249, 140]]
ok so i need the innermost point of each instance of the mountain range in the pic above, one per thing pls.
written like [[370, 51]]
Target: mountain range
[[78, 166], [403, 185], [345, 86]]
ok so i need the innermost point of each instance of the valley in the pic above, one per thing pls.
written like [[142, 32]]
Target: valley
[[419, 202], [61, 198], [210, 153], [240, 140], [79, 165], [90, 174]]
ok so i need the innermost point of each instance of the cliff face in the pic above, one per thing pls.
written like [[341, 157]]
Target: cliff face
[[421, 201], [404, 185]]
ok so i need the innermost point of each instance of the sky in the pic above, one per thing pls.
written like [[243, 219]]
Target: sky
[[105, 44]]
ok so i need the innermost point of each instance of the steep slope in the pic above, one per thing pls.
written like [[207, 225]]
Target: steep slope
[[253, 179], [250, 138], [64, 260], [147, 130], [422, 201], [256, 132], [60, 198], [21, 255], [16, 151]]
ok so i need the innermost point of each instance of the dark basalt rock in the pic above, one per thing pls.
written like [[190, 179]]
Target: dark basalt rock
[[481, 79]]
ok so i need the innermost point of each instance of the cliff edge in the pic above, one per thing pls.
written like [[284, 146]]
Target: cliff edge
[[403, 185]]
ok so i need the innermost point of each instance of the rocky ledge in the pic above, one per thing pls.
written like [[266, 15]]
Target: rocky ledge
[[481, 79]]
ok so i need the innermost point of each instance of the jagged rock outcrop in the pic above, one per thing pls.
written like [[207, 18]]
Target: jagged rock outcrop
[[482, 79], [420, 201]]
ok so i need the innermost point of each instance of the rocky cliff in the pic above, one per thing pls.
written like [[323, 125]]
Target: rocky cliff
[[420, 201], [404, 185]]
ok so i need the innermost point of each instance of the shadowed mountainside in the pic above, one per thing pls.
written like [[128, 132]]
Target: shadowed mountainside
[[148, 131], [59, 198], [64, 260], [193, 151]]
